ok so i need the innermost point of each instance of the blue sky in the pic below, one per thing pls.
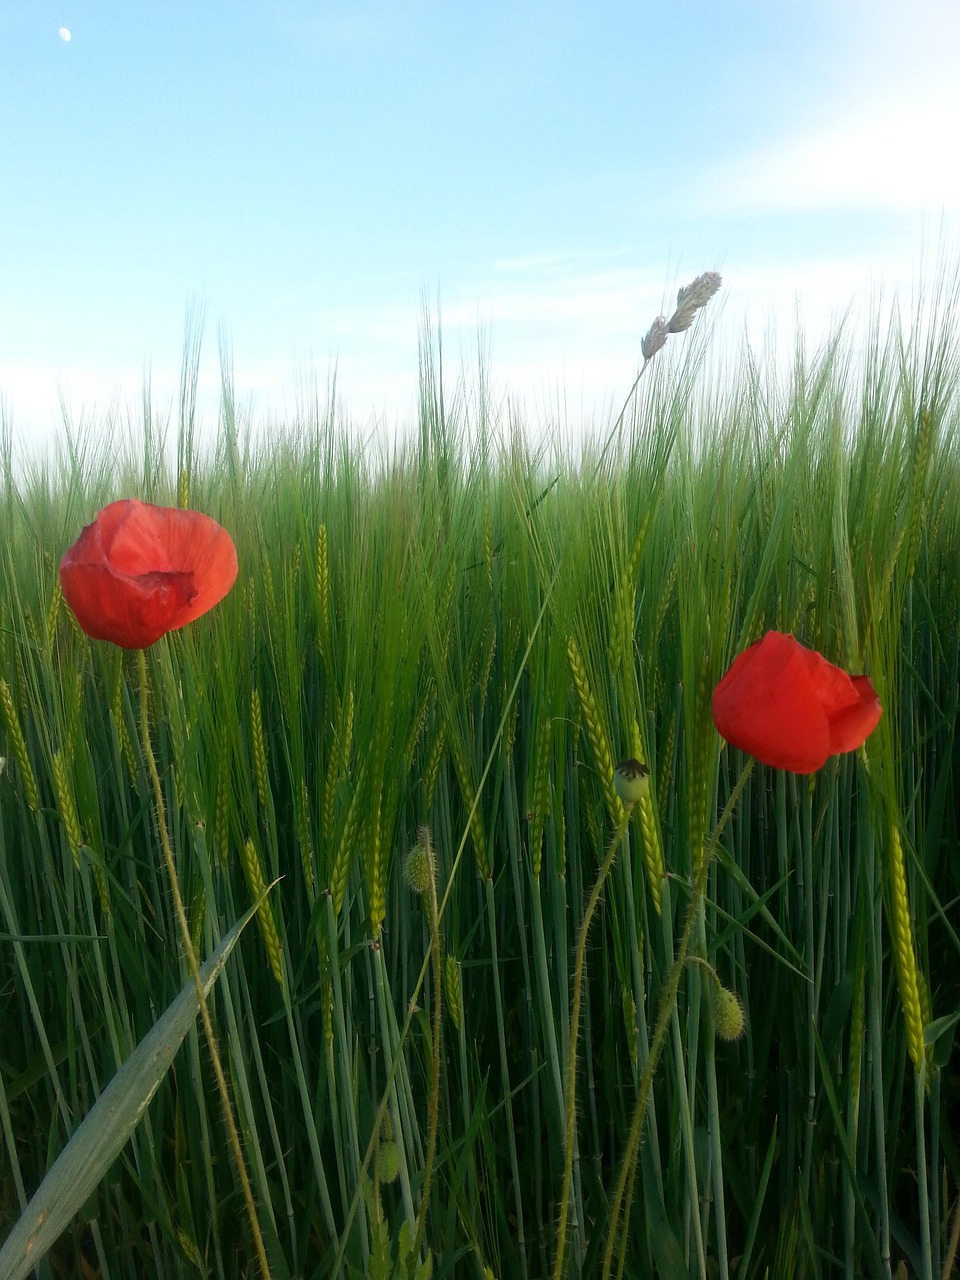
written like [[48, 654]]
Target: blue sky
[[308, 173]]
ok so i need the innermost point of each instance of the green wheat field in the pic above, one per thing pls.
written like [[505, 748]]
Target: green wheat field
[[405, 718]]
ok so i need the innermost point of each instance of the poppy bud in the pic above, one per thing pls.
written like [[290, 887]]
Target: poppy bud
[[728, 1017], [421, 865], [389, 1161], [418, 871]]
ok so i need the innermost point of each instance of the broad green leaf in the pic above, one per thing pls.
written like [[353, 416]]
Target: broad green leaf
[[84, 1161]]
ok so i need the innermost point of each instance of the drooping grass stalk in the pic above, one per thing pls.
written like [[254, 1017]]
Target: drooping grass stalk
[[620, 1207], [684, 1102], [637, 921], [194, 966]]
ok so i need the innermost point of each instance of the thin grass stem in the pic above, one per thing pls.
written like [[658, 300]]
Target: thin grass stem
[[194, 966]]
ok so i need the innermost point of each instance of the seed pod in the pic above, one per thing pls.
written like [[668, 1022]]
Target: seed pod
[[728, 1014]]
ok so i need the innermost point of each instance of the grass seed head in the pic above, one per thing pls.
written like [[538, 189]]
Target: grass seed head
[[691, 298], [453, 989], [19, 744], [655, 337]]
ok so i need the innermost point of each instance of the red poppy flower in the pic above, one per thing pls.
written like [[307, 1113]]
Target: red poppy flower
[[790, 707], [140, 571]]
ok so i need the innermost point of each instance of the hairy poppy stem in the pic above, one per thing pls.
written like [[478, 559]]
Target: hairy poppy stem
[[620, 1209], [225, 1102]]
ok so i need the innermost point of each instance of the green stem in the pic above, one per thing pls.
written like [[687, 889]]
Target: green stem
[[953, 1242], [543, 978], [505, 1073], [807, 896], [923, 1189], [716, 1151], [874, 990], [346, 1114], [570, 1069], [433, 1108], [392, 1048], [686, 1098], [668, 999], [194, 966]]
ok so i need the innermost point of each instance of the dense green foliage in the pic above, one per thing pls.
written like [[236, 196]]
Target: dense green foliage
[[466, 634]]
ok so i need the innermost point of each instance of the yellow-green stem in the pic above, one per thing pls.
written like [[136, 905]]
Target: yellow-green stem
[[570, 1068], [194, 966]]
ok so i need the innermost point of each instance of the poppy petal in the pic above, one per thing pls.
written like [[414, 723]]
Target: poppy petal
[[130, 612], [203, 546], [139, 571], [790, 707], [832, 687], [766, 705], [133, 539], [850, 727]]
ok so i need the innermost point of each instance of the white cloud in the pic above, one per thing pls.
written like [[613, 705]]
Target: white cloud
[[879, 123], [895, 155]]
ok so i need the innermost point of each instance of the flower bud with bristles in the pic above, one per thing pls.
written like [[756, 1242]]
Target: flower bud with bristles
[[389, 1156], [421, 865], [691, 298], [728, 1015]]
